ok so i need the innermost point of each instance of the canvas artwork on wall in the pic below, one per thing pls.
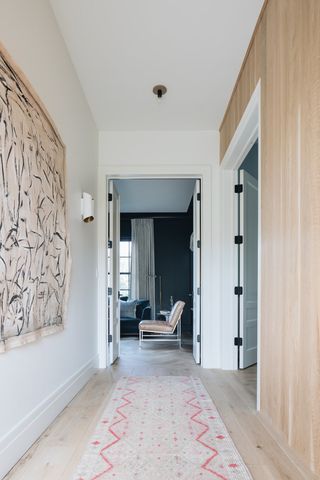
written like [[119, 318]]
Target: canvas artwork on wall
[[34, 244]]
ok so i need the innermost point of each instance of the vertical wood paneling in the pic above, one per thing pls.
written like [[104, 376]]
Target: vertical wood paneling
[[310, 222], [285, 54]]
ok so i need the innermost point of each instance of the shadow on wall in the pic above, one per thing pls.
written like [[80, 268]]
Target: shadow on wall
[[250, 164]]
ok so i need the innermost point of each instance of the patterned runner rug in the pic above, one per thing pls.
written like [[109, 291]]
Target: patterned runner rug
[[161, 428]]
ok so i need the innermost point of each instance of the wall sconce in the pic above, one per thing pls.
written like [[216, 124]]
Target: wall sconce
[[87, 207]]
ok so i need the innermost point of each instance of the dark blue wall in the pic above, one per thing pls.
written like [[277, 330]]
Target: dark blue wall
[[173, 258], [250, 164]]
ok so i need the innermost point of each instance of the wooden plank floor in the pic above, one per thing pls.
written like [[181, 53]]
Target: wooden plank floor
[[57, 452]]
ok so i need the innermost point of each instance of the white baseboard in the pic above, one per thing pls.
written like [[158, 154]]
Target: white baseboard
[[19, 439]]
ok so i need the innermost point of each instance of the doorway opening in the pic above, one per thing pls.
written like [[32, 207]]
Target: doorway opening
[[242, 228], [154, 257], [246, 191]]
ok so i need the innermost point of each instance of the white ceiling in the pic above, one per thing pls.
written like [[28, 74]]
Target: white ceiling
[[151, 196], [122, 48]]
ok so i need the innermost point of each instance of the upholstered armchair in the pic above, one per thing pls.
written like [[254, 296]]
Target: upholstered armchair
[[159, 330]]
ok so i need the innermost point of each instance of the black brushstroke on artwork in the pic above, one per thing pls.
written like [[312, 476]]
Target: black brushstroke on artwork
[[34, 248]]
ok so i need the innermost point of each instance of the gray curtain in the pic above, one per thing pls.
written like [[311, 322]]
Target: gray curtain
[[142, 257]]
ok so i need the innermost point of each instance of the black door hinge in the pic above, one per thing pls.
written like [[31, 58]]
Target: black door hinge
[[198, 243], [238, 239], [238, 188], [238, 290], [199, 196], [199, 338], [238, 341], [109, 197], [109, 338], [198, 291], [109, 243], [109, 291]]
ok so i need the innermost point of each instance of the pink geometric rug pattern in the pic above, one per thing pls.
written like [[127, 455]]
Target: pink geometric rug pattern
[[161, 428]]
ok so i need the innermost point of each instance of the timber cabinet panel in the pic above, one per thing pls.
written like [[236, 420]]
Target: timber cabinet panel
[[285, 55]]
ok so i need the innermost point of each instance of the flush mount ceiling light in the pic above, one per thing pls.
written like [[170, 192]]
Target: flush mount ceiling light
[[159, 90]]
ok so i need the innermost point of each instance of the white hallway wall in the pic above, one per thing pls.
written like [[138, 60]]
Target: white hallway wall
[[176, 152], [39, 379]]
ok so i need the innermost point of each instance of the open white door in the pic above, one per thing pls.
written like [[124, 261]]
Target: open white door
[[113, 272], [197, 272], [248, 269]]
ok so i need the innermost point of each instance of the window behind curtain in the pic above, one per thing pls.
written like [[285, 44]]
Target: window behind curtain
[[125, 269]]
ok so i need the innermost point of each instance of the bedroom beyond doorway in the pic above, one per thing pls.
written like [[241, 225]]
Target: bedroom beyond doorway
[[151, 260]]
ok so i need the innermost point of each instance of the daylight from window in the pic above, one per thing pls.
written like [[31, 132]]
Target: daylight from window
[[125, 269]]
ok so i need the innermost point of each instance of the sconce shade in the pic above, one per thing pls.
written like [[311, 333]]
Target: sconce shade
[[87, 207]]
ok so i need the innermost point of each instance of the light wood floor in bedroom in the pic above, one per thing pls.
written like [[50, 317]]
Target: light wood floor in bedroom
[[56, 454]]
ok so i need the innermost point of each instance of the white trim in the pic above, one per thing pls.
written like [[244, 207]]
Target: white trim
[[248, 130], [259, 258], [209, 304], [235, 224], [19, 439]]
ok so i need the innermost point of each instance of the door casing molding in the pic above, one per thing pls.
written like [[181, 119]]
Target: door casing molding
[[210, 299], [247, 132]]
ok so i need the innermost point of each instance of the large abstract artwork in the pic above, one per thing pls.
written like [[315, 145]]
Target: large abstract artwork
[[34, 245]]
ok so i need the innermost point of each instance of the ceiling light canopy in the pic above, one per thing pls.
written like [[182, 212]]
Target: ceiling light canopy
[[159, 90]]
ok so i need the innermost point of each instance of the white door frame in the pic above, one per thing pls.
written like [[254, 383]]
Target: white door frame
[[196, 281], [113, 209], [245, 135], [209, 304]]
